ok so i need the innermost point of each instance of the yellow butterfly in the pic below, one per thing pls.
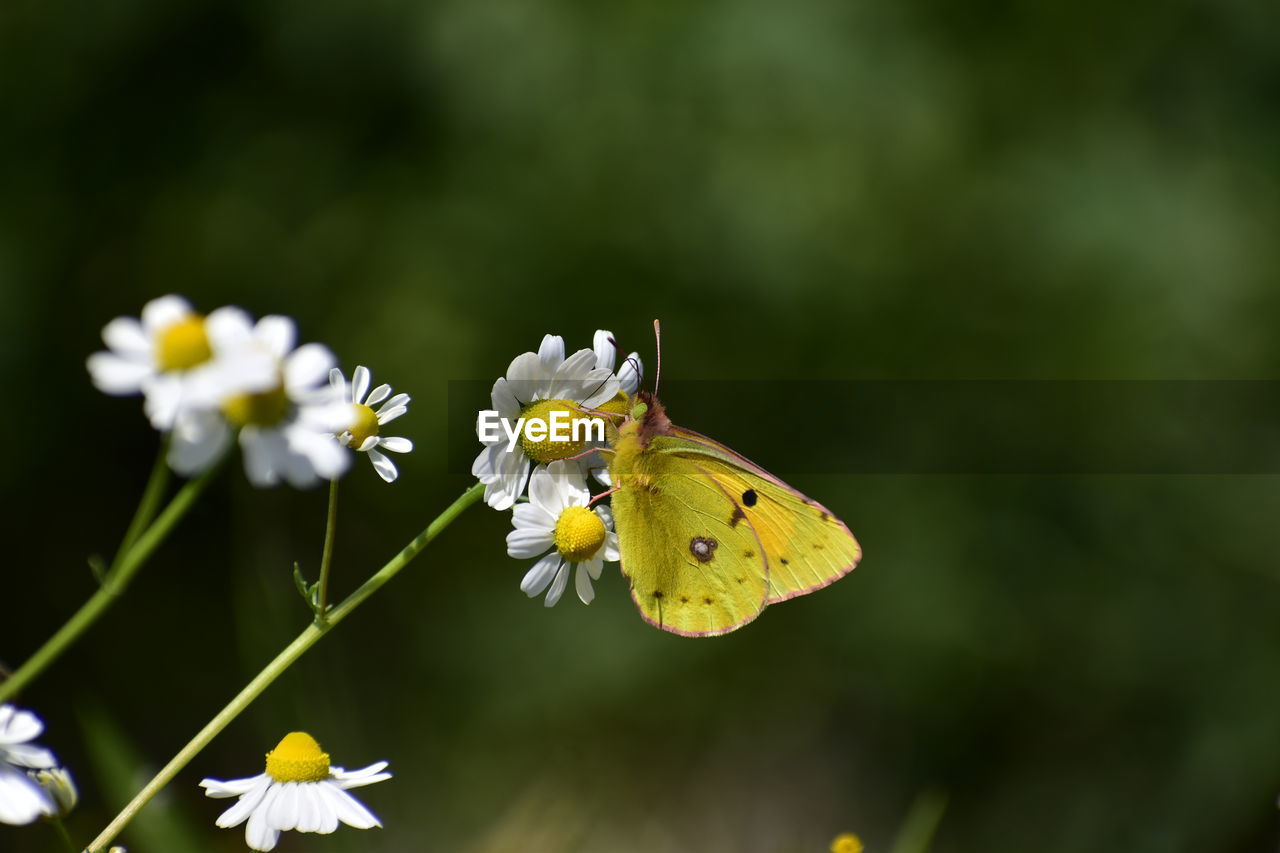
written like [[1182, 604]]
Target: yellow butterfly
[[708, 538]]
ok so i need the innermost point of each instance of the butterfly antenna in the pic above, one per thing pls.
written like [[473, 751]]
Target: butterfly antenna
[[657, 338]]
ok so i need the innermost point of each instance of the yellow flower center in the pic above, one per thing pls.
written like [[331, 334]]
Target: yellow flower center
[[183, 345], [554, 429], [298, 758], [579, 534], [266, 408], [846, 843], [364, 425]]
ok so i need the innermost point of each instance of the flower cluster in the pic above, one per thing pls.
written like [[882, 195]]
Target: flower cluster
[[207, 379], [557, 524], [32, 785]]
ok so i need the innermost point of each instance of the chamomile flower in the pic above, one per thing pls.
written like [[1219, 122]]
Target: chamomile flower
[[22, 798], [541, 385], [287, 422], [299, 791], [157, 356], [557, 517], [364, 435], [60, 787]]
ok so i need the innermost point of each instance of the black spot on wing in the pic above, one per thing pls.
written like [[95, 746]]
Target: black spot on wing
[[749, 497]]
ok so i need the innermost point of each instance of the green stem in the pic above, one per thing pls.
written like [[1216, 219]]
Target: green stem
[[61, 828], [326, 558], [150, 500], [113, 585], [282, 662]]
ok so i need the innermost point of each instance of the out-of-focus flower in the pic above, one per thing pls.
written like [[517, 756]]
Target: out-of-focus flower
[[22, 799]]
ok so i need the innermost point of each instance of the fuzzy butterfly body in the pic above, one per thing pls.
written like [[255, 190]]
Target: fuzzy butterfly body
[[708, 538]]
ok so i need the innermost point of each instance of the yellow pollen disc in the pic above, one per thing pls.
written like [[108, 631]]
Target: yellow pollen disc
[[846, 843], [579, 534], [298, 758], [365, 425], [266, 408], [554, 418], [183, 345]]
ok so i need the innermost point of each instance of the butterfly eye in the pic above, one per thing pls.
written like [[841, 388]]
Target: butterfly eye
[[638, 410], [749, 497]]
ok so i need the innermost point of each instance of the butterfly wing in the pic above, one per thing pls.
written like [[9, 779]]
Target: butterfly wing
[[696, 568], [807, 547]]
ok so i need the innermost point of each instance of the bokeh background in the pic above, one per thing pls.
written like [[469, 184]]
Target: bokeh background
[[809, 190]]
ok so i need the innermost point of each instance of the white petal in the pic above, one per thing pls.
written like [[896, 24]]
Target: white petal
[[29, 755], [360, 380], [582, 583], [594, 567], [526, 544], [349, 810], [385, 467], [165, 393], [631, 373], [567, 383], [611, 552], [264, 454], [339, 382], [21, 799], [536, 579], [310, 809], [558, 585], [249, 801], [504, 401], [306, 367], [228, 329], [511, 472], [363, 776], [258, 833], [278, 334], [386, 416], [284, 810], [126, 337], [159, 314], [530, 516], [197, 441], [234, 787], [112, 374], [544, 491], [606, 352], [313, 453], [18, 726], [550, 354], [365, 446], [396, 444], [377, 395], [525, 378]]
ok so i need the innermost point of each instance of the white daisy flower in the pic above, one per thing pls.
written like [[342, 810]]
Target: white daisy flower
[[22, 799], [364, 434], [557, 517], [299, 791], [540, 386], [288, 422], [156, 356]]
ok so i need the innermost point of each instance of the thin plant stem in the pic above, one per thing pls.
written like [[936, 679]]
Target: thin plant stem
[[282, 662], [150, 502], [916, 834], [113, 585], [61, 829], [326, 558]]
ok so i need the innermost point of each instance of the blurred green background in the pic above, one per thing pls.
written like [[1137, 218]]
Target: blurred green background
[[814, 190]]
